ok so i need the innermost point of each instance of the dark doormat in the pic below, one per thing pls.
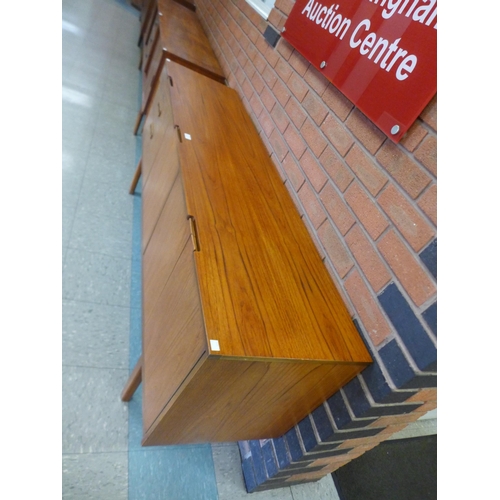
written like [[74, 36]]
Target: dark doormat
[[403, 469]]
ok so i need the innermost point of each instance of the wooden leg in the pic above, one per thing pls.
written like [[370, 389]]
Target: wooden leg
[[138, 122], [133, 381], [137, 175]]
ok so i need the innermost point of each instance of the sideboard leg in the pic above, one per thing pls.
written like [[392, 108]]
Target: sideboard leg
[[133, 382], [137, 175], [138, 122]]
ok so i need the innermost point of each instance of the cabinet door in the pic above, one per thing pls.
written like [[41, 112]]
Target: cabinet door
[[173, 337], [171, 232], [153, 132]]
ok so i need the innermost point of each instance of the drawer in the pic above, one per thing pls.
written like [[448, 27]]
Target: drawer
[[151, 69], [149, 45]]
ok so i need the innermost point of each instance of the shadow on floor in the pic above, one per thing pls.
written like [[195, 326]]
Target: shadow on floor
[[404, 469]]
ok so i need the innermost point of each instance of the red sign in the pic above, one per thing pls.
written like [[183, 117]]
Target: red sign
[[381, 54]]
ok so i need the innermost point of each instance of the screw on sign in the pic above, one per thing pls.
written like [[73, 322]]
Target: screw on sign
[[381, 54]]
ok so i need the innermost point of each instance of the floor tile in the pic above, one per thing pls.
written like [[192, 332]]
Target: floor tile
[[110, 172], [98, 233], [73, 170], [94, 417], [95, 335], [97, 278], [105, 199], [95, 476]]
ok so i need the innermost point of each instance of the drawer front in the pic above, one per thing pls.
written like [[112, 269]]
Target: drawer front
[[149, 43], [148, 76], [173, 331], [171, 231], [158, 118]]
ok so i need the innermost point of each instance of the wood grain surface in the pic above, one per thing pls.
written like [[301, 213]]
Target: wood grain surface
[[185, 41], [232, 400], [265, 290]]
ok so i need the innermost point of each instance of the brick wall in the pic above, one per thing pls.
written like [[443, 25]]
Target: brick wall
[[370, 206]]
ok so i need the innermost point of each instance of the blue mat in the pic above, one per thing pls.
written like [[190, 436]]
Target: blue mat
[[159, 472]]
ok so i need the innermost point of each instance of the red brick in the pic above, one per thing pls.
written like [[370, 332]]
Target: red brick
[[339, 284], [358, 442], [266, 123], [403, 169], [367, 171], [279, 167], [256, 105], [267, 99], [370, 135], [335, 249], [294, 140], [281, 92], [295, 112], [247, 89], [276, 19], [404, 418], [285, 6], [295, 198], [284, 48], [279, 146], [283, 69], [427, 154], [371, 264], [299, 63], [293, 171], [424, 395], [311, 205], [337, 135], [316, 109], [429, 406], [280, 118], [335, 168], [269, 76], [313, 171], [258, 82], [240, 75], [269, 54], [260, 63], [365, 209], [409, 272], [249, 70], [316, 80], [297, 86], [429, 114], [367, 308], [337, 102], [337, 209], [314, 139], [306, 476], [314, 238], [428, 203], [413, 136], [415, 230]]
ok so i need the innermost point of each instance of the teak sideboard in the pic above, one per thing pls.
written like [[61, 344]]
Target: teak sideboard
[[244, 332]]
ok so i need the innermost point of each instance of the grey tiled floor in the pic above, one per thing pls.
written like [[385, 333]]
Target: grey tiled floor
[[100, 90]]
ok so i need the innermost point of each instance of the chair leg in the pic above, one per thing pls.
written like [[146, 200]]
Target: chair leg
[[137, 175], [133, 382]]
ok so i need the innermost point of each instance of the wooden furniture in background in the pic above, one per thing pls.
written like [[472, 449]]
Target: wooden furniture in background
[[244, 332], [173, 31]]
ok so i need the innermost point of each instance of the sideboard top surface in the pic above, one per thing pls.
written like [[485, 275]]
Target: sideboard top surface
[[264, 289], [183, 38]]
